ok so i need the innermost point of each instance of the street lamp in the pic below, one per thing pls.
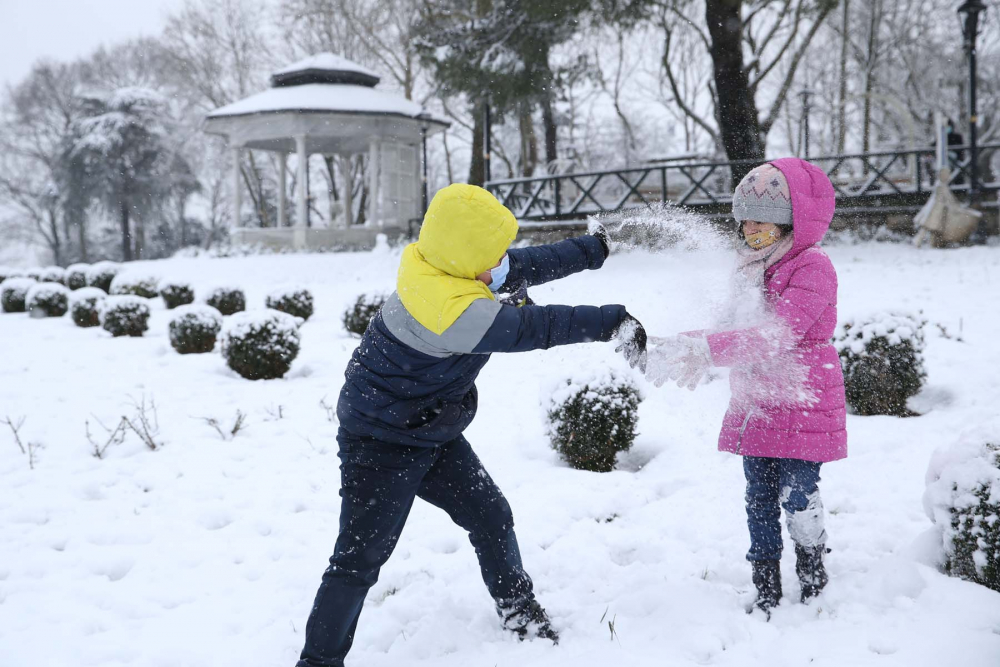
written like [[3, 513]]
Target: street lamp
[[805, 94], [423, 164], [487, 131], [970, 10]]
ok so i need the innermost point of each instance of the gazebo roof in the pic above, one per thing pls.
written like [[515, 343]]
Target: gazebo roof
[[324, 68], [330, 100]]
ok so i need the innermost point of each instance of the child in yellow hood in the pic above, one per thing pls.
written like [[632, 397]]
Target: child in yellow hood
[[410, 393]]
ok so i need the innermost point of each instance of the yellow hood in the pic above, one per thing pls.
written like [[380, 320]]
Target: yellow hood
[[465, 232]]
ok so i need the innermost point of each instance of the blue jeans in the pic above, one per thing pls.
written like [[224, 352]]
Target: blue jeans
[[378, 484], [776, 483]]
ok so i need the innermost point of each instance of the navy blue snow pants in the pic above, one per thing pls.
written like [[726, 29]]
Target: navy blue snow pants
[[378, 484], [773, 484]]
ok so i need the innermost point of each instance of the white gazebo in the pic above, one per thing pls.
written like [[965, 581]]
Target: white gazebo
[[329, 105]]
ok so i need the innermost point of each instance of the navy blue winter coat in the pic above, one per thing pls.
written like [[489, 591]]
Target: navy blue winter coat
[[410, 386]]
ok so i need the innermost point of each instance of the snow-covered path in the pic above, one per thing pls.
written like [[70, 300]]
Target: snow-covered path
[[208, 551]]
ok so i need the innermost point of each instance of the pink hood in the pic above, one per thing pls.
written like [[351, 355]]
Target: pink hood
[[801, 287]]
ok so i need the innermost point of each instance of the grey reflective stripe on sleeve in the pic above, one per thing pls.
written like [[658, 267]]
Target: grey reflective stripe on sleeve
[[460, 338]]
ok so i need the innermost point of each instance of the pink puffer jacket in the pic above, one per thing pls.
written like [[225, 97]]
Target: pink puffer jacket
[[802, 289]]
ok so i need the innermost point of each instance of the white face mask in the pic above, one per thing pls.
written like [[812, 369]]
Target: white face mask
[[498, 274]]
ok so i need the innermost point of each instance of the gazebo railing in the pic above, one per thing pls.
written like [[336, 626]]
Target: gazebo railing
[[858, 179]]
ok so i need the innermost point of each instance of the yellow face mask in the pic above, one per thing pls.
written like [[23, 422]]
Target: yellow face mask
[[759, 240]]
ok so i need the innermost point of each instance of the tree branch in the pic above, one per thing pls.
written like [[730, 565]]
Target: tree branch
[[793, 66], [787, 44], [688, 111]]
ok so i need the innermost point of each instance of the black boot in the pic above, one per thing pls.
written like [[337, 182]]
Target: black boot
[[528, 621], [767, 579], [809, 567]]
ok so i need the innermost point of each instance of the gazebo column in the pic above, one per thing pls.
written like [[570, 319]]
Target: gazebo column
[[282, 189], [374, 166], [237, 190], [345, 168], [301, 205]]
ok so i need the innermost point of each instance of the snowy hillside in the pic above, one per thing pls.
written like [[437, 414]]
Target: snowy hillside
[[209, 550]]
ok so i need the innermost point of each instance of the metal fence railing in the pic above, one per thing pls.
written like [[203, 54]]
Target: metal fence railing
[[902, 177]]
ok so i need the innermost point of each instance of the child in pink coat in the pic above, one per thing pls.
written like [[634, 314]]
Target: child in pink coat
[[784, 208]]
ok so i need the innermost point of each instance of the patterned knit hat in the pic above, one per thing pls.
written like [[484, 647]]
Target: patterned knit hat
[[763, 196]]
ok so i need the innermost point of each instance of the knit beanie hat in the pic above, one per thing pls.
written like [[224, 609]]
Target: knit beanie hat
[[763, 196]]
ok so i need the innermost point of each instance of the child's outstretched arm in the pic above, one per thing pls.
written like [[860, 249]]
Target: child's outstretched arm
[[545, 263], [810, 290]]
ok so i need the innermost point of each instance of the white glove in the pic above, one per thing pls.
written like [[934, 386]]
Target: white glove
[[685, 359]]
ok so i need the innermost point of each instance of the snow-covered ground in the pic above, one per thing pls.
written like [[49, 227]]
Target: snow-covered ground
[[209, 551]]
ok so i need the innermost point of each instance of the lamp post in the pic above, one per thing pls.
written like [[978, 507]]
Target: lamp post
[[423, 175], [486, 141], [805, 94], [970, 11]]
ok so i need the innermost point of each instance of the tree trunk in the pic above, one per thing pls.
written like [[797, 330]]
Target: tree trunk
[[82, 229], [870, 65], [126, 231], [477, 166], [736, 109], [549, 121], [182, 229], [56, 244], [529, 143], [139, 237], [842, 97]]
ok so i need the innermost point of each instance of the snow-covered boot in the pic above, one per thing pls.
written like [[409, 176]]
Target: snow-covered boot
[[529, 621], [809, 567], [767, 579]]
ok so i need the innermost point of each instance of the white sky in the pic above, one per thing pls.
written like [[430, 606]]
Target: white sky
[[65, 29]]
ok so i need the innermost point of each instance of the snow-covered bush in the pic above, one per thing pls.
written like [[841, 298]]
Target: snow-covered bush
[[883, 361], [194, 328], [76, 276], [357, 317], [8, 272], [13, 292], [35, 273], [47, 300], [53, 274], [176, 293], [963, 500], [590, 421], [101, 274], [125, 315], [261, 344], [145, 286], [227, 300], [294, 301], [85, 306]]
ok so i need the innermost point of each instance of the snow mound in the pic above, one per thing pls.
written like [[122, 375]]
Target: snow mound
[[91, 294], [252, 322], [198, 314], [855, 333], [45, 291]]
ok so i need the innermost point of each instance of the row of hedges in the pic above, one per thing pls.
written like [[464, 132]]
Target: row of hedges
[[255, 344]]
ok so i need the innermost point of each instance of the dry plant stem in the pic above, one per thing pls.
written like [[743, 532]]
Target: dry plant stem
[[116, 436], [32, 448], [238, 425], [331, 411], [16, 428], [144, 423]]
